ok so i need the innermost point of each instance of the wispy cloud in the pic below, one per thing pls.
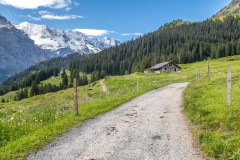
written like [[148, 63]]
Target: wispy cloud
[[29, 17], [75, 3], [131, 34], [68, 9], [94, 32], [51, 16], [34, 4]]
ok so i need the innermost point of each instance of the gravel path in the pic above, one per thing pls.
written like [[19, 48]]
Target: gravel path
[[150, 127], [104, 87]]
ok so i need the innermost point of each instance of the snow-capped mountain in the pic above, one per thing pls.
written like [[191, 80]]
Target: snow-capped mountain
[[66, 42], [17, 50]]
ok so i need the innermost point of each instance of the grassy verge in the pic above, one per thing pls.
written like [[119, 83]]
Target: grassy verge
[[215, 123], [31, 123]]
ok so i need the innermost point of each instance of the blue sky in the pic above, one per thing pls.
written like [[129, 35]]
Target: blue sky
[[119, 19]]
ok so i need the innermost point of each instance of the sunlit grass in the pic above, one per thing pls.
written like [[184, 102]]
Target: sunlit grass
[[216, 124], [29, 124]]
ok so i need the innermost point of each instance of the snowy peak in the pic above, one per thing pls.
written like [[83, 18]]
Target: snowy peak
[[110, 41], [30, 27], [64, 42]]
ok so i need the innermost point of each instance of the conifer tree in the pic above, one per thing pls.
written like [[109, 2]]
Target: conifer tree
[[34, 89]]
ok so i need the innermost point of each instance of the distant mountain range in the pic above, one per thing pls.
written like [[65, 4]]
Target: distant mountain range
[[17, 51], [26, 44], [35, 43], [62, 43]]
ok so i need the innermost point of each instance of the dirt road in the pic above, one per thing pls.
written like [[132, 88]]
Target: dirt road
[[150, 127]]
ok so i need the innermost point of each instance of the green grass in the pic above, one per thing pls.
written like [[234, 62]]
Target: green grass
[[55, 80], [31, 123], [216, 125]]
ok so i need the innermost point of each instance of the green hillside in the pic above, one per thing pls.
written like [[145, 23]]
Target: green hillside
[[178, 42], [33, 122], [231, 9], [216, 124]]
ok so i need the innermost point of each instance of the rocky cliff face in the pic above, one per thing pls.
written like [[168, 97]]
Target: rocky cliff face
[[62, 43], [17, 50]]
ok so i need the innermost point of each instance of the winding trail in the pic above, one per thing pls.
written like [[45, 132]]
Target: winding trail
[[150, 127]]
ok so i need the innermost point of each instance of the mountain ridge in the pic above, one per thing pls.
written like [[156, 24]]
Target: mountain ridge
[[17, 51], [230, 9], [61, 42]]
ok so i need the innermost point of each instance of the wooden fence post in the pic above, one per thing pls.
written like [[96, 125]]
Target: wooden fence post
[[151, 79], [137, 85], [208, 71], [229, 85], [75, 96], [198, 75]]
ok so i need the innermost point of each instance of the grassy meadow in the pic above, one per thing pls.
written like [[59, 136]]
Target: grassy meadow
[[216, 124], [31, 123]]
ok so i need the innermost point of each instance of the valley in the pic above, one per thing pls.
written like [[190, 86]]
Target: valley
[[54, 111], [124, 113]]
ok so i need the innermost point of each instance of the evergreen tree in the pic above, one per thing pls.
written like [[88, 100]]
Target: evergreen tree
[[85, 79], [34, 89], [92, 79], [65, 80], [26, 93], [37, 79], [63, 72], [55, 74]]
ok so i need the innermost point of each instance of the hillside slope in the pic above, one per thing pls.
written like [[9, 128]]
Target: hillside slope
[[135, 123], [17, 51], [185, 43], [216, 124], [232, 8], [61, 62]]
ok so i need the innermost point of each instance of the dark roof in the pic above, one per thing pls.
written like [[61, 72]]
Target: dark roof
[[160, 65]]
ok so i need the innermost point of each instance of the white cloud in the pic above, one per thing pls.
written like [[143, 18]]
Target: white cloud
[[94, 32], [51, 16], [57, 17], [131, 34], [34, 4], [75, 3], [31, 17], [44, 12], [68, 9]]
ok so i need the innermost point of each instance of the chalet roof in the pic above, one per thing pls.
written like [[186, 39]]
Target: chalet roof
[[160, 65]]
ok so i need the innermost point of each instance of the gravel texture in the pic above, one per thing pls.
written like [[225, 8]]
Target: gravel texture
[[150, 127]]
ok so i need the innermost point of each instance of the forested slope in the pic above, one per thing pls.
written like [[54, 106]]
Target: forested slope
[[185, 43]]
